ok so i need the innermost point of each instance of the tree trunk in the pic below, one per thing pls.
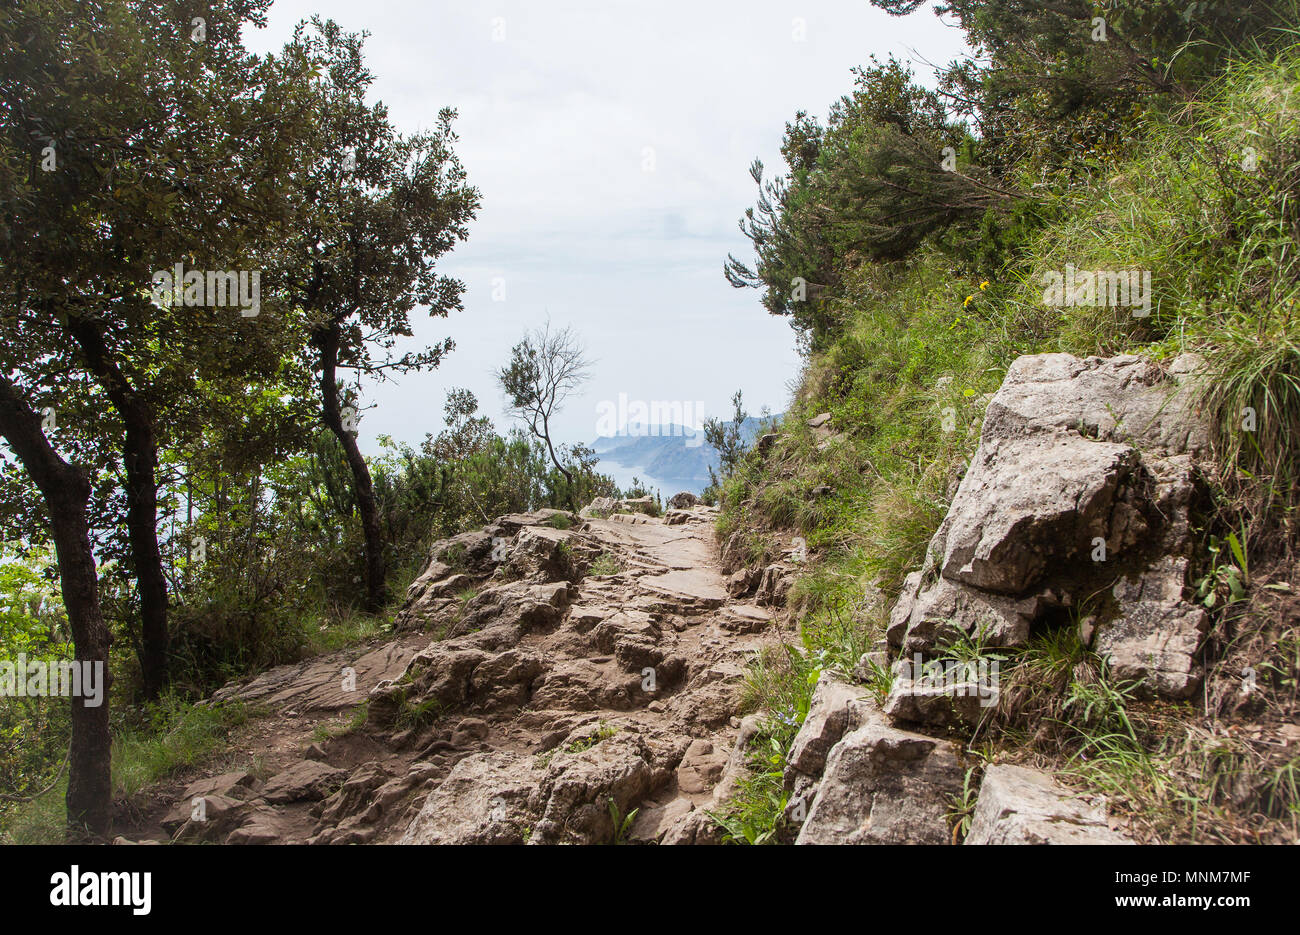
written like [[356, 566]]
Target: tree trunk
[[140, 456], [568, 478], [327, 341], [67, 492]]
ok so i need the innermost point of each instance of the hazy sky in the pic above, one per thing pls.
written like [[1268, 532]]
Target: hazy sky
[[611, 142]]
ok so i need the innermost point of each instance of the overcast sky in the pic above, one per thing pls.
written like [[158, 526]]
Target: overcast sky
[[611, 142]]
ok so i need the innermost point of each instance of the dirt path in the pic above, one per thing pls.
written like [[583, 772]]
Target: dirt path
[[542, 684]]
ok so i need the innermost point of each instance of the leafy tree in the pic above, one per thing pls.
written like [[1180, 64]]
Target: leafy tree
[[1051, 89], [132, 141], [67, 491], [881, 178], [467, 433], [389, 207], [163, 156]]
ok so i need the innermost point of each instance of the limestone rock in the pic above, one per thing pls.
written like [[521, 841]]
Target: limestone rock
[[821, 426], [488, 798], [653, 822], [601, 507], [332, 682], [735, 770], [541, 554], [484, 728], [696, 827], [210, 820], [1026, 504], [1159, 634], [261, 826], [518, 605], [306, 780], [1125, 398], [1084, 481], [584, 685], [745, 618], [775, 584], [741, 582], [579, 789], [232, 787], [925, 617], [356, 794], [1018, 805], [883, 785], [836, 708], [640, 505], [700, 768], [941, 694], [439, 674]]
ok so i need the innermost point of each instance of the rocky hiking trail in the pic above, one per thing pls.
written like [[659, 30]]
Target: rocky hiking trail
[[556, 678], [541, 685]]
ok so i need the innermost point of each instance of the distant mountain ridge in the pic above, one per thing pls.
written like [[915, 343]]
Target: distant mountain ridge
[[672, 454]]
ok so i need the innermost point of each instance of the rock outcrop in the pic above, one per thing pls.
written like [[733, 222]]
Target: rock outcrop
[[1083, 483]]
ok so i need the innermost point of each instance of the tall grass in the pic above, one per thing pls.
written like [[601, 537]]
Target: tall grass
[[1212, 209], [159, 741]]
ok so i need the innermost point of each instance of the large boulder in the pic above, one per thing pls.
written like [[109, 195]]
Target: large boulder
[[440, 675], [643, 505], [1159, 634], [306, 780], [585, 790], [928, 615], [516, 608], [545, 554], [332, 682], [1029, 504], [601, 507], [454, 565], [570, 796], [941, 693], [775, 585], [209, 799], [1083, 482], [1127, 399], [537, 546]]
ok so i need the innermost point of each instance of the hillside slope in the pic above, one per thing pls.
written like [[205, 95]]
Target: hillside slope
[[942, 511]]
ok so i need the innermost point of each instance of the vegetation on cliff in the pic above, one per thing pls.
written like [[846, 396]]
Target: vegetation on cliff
[[912, 241]]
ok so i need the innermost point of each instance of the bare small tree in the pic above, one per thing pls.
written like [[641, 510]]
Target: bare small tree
[[544, 368]]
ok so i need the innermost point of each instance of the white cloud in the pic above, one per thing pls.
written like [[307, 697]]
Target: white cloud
[[553, 124]]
